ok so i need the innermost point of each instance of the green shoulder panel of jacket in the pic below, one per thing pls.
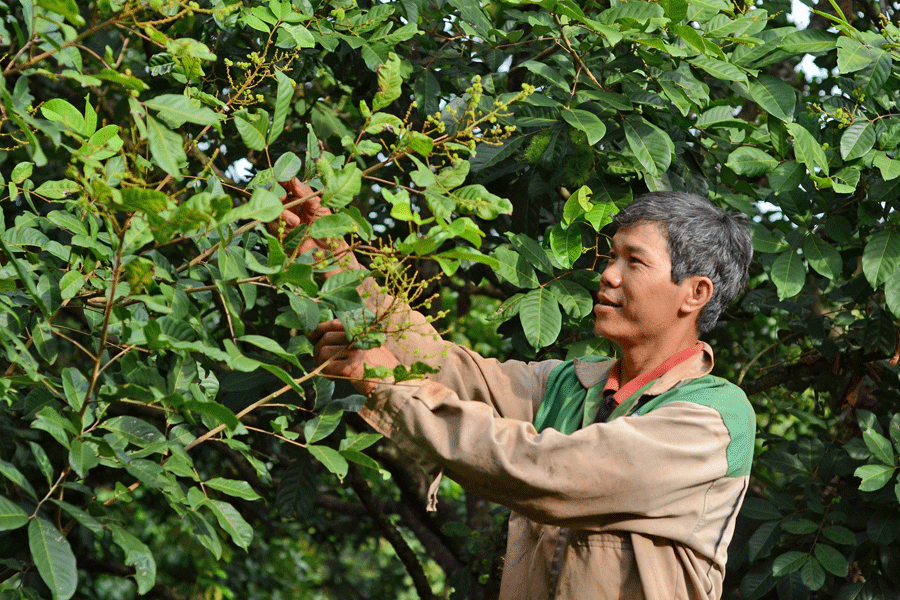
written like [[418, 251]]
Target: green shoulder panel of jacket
[[730, 402]]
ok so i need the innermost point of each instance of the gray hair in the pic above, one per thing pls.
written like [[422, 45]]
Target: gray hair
[[702, 239]]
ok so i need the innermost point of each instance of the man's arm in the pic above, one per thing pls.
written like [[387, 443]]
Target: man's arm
[[513, 389], [658, 466]]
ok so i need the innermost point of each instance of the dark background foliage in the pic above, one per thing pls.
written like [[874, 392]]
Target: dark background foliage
[[165, 431]]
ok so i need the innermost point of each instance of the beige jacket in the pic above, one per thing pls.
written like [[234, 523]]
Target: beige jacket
[[640, 507]]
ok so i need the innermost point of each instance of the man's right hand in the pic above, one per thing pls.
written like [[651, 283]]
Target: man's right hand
[[304, 213], [307, 213]]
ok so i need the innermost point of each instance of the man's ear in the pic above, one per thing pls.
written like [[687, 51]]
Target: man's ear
[[699, 292]]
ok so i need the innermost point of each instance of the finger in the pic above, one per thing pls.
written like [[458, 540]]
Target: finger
[[326, 327], [296, 190], [332, 346]]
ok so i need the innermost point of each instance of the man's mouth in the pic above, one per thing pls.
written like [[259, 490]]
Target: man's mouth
[[608, 302]]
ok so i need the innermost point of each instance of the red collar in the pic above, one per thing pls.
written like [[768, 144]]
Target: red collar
[[620, 393]]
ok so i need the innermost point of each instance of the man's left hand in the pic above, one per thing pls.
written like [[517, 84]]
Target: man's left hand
[[347, 362]]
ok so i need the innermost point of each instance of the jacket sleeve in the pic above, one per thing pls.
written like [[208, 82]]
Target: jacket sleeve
[[635, 466], [513, 389]]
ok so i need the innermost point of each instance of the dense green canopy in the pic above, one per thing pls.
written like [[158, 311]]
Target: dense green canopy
[[165, 432]]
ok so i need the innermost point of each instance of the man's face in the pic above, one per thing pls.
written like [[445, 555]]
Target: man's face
[[637, 299]]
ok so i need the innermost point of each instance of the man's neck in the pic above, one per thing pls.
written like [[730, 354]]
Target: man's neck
[[641, 359]]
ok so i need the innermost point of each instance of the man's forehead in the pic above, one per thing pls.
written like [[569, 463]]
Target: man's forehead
[[644, 236]]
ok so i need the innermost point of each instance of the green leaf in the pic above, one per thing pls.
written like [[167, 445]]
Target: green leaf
[[24, 273], [15, 476], [390, 82], [763, 540], [532, 251], [297, 492], [577, 205], [857, 140], [165, 147], [650, 145], [718, 117], [789, 562], [540, 316], [853, 56], [231, 521], [566, 245], [83, 518], [332, 226], [137, 555], [11, 515], [233, 487], [822, 257], [601, 214], [287, 166], [846, 180], [892, 294], [759, 509], [70, 284], [360, 459], [719, 69], [283, 96], [342, 186], [547, 72], [750, 161], [177, 109], [808, 41], [53, 557], [832, 560], [62, 111], [21, 172], [323, 424], [575, 299], [812, 575], [75, 386], [514, 268], [807, 150], [880, 447], [476, 199], [788, 274], [787, 177], [57, 189], [252, 128], [839, 535], [587, 122], [213, 409], [774, 96], [889, 167], [360, 441], [874, 477], [877, 74], [263, 206], [300, 36], [340, 289], [331, 458], [83, 456], [137, 431], [201, 530], [270, 345], [799, 526], [881, 257]]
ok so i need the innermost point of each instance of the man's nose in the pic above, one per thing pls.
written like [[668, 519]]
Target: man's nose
[[611, 276]]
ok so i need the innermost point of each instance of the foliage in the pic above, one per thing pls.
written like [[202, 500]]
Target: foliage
[[165, 427]]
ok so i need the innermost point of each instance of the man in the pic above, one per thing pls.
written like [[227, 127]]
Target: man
[[625, 476]]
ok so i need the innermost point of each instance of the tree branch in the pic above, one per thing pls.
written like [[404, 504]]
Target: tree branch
[[810, 367], [393, 536]]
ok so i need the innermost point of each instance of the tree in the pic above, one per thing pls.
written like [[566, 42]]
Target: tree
[[166, 431]]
